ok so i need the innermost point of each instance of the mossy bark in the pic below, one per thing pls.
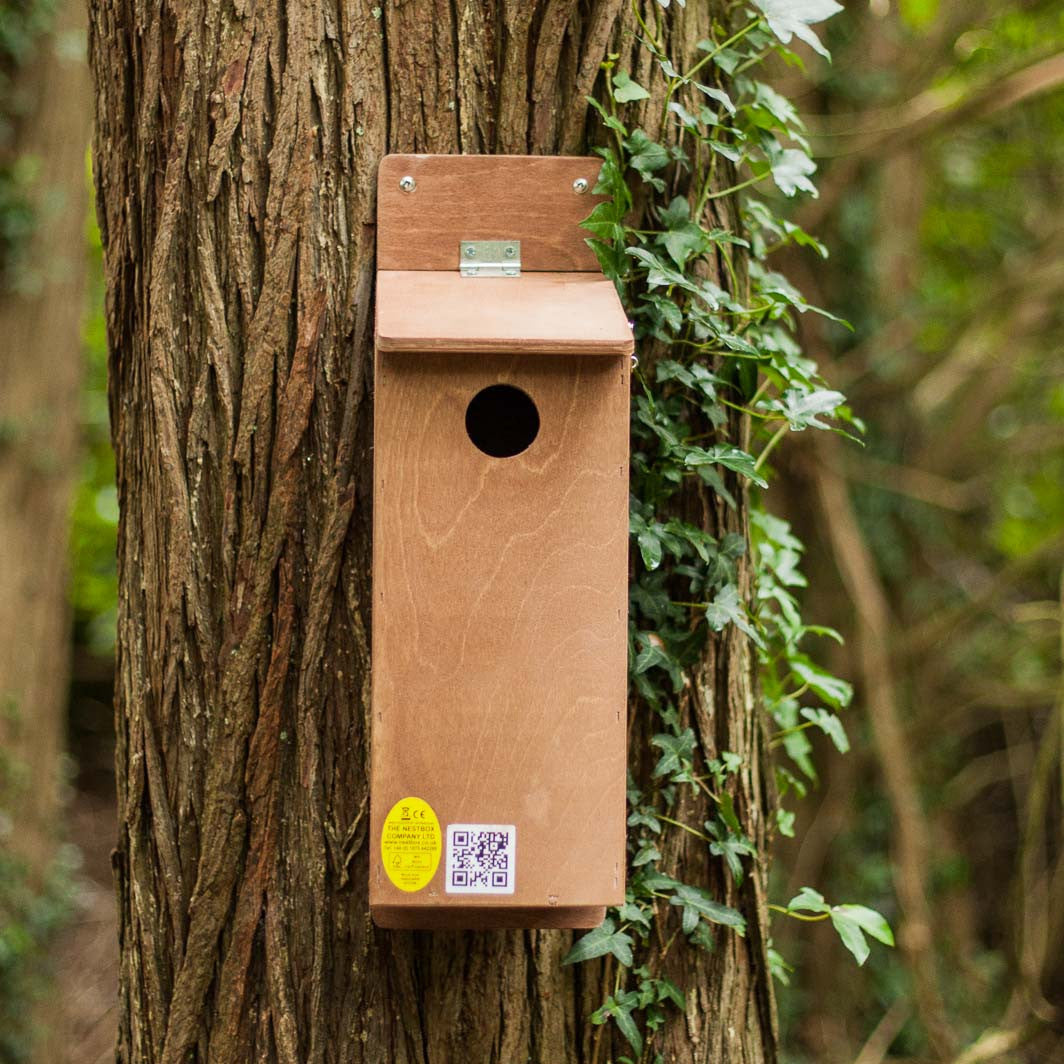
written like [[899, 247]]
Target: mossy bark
[[236, 155]]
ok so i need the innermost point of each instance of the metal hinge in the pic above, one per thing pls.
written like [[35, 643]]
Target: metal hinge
[[489, 258]]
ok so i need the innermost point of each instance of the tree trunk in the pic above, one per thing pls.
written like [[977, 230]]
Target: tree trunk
[[41, 308], [236, 157]]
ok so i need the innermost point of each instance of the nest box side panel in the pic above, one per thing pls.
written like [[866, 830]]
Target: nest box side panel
[[499, 624], [530, 198]]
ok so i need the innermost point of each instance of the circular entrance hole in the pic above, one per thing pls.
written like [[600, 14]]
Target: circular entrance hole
[[502, 420]]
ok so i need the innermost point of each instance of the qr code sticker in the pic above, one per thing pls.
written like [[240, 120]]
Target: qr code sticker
[[481, 858]]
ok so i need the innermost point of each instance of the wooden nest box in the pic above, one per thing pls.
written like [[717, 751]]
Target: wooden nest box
[[500, 542]]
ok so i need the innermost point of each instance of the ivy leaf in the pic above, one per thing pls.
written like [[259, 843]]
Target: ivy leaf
[[684, 241], [697, 901], [646, 854], [803, 409], [791, 169], [809, 900], [608, 119], [830, 725], [623, 1018], [785, 822], [778, 106], [719, 95], [660, 274], [730, 457], [792, 18], [731, 846], [597, 943], [852, 922], [835, 692], [625, 90], [650, 547], [646, 156], [677, 751]]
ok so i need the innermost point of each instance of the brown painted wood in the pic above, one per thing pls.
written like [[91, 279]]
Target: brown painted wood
[[499, 634], [543, 313], [454, 918], [485, 197]]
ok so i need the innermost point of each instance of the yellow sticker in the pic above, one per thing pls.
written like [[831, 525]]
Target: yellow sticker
[[411, 844]]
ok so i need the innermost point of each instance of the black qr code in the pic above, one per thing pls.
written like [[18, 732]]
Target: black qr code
[[481, 858]]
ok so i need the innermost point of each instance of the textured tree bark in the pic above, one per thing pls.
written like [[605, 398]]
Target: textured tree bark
[[236, 155], [40, 371]]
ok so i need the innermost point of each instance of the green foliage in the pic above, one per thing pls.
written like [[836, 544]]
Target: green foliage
[[960, 375], [94, 589], [30, 914], [22, 22], [852, 922], [726, 351]]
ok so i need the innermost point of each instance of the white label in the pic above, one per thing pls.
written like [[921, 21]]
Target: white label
[[481, 858]]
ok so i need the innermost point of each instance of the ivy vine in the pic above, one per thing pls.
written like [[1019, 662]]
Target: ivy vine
[[726, 352]]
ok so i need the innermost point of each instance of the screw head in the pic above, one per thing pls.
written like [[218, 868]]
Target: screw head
[[580, 185], [510, 252], [407, 183], [470, 252]]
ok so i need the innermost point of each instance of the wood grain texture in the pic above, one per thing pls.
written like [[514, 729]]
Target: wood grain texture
[[542, 313], [478, 197], [499, 637]]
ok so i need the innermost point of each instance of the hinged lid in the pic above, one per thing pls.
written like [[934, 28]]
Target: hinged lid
[[516, 221], [536, 313]]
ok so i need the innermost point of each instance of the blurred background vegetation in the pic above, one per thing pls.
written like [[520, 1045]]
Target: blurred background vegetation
[[936, 550]]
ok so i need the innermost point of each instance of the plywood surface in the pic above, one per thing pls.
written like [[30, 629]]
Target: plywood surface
[[544, 313], [499, 629], [485, 197]]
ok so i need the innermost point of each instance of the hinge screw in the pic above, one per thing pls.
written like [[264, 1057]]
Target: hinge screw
[[510, 252], [580, 186], [407, 183], [470, 252]]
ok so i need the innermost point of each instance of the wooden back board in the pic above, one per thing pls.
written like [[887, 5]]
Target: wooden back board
[[485, 197]]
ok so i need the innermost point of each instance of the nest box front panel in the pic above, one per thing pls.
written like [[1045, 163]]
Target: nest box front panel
[[499, 636]]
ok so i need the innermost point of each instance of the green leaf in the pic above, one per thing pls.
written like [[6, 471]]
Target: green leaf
[[669, 991], [608, 119], [625, 90], [684, 241], [719, 95], [677, 751], [729, 456], [809, 900], [628, 1027], [646, 854], [646, 156], [696, 900], [869, 921], [851, 936], [727, 608], [830, 725], [834, 691], [791, 170], [597, 943], [731, 845], [792, 18], [650, 548]]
